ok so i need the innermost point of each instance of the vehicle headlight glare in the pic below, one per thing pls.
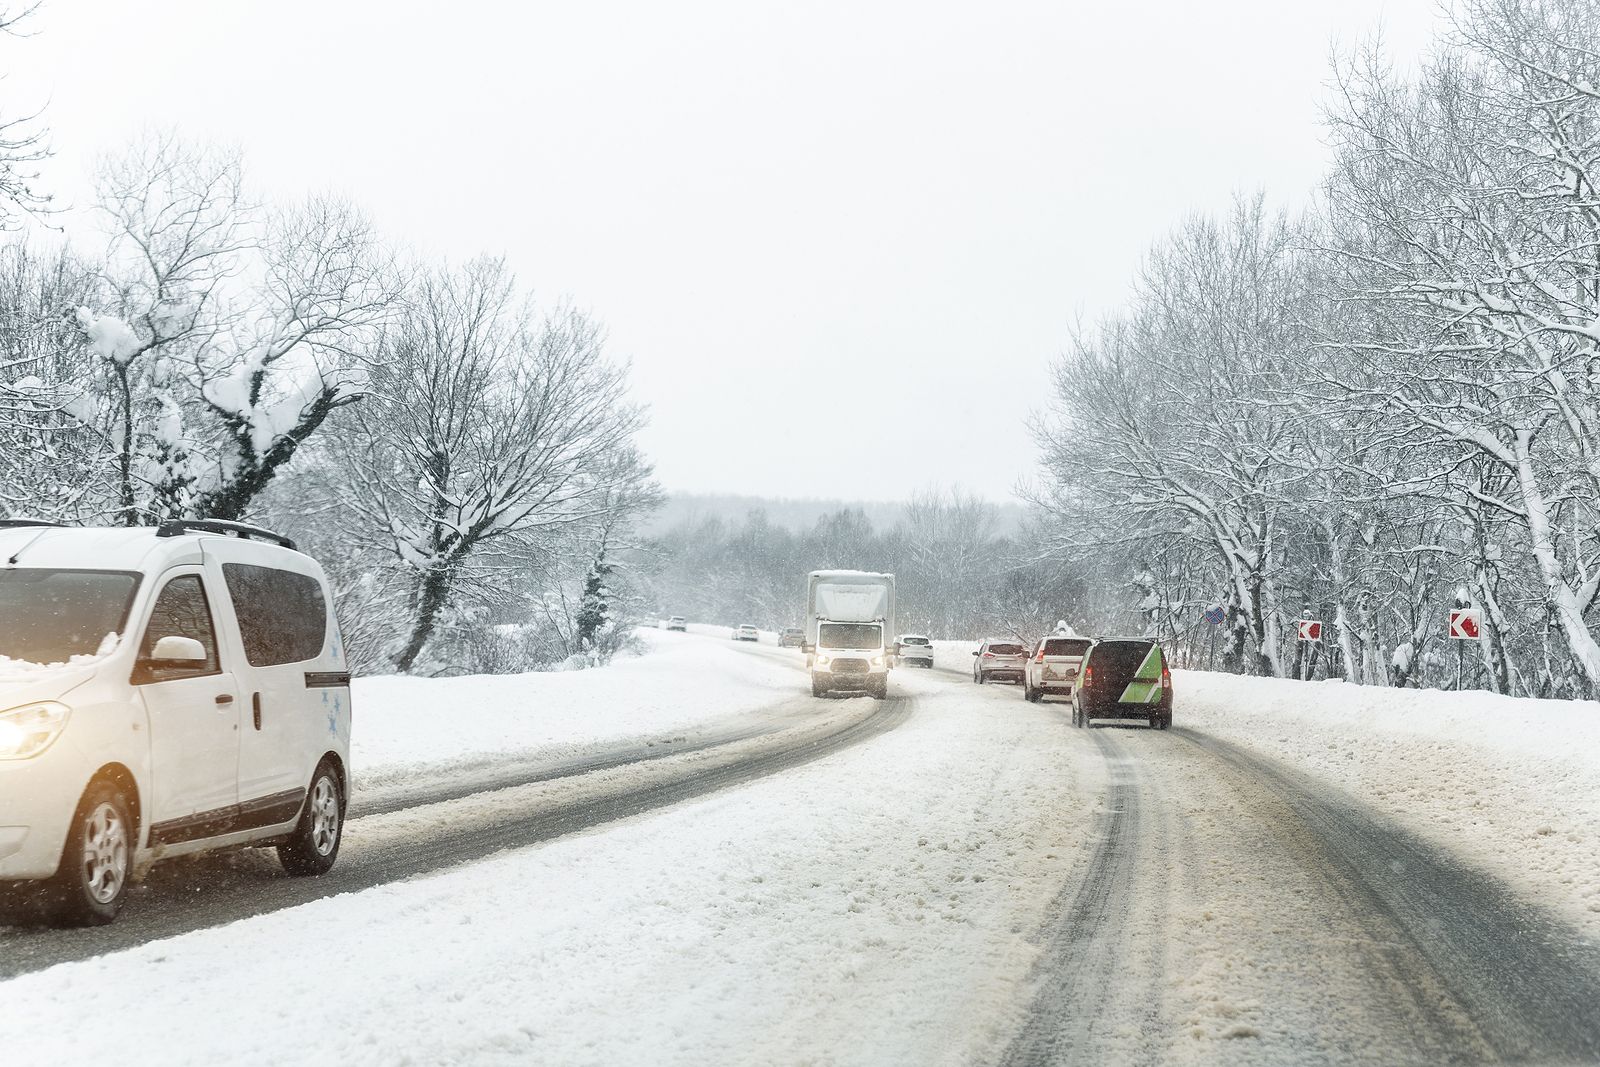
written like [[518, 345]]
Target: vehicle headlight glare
[[27, 731]]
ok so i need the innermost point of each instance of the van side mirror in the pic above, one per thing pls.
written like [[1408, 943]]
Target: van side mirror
[[177, 651], [806, 648], [171, 657]]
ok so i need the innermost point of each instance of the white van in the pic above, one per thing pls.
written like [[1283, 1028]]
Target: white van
[[164, 691]]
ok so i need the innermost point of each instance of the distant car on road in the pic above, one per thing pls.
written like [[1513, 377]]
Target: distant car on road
[[999, 658], [791, 637], [746, 632], [677, 622], [916, 650], [1053, 667], [1124, 678]]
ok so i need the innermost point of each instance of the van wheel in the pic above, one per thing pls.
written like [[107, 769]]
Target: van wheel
[[91, 884], [314, 844], [818, 689], [880, 691]]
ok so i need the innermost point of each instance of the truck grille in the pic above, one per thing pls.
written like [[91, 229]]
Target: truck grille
[[849, 666]]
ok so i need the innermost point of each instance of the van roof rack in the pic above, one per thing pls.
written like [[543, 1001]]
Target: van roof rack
[[179, 527], [17, 524]]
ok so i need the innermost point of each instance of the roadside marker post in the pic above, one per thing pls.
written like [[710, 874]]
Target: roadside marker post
[[1464, 626]]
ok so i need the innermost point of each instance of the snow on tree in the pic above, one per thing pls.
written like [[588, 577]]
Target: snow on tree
[[230, 331], [484, 427]]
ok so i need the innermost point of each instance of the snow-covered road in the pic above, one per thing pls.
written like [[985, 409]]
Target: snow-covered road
[[954, 876]]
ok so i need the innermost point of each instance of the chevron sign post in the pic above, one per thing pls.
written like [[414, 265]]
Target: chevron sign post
[[1464, 624], [1310, 629]]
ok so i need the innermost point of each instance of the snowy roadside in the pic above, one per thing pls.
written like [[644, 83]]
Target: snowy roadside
[[874, 907], [1509, 785], [413, 727]]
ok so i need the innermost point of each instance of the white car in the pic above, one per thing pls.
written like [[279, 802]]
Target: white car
[[678, 623], [915, 651], [746, 632], [164, 691], [1053, 666]]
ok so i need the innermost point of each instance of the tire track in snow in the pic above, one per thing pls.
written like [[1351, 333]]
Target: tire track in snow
[[189, 895], [1231, 913], [1530, 985]]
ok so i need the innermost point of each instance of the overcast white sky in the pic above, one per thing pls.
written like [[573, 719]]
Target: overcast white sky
[[840, 242]]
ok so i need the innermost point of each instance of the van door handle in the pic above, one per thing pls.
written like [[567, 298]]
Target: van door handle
[[224, 698], [255, 707]]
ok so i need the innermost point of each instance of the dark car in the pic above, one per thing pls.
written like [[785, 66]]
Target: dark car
[[999, 658], [1124, 678], [791, 637]]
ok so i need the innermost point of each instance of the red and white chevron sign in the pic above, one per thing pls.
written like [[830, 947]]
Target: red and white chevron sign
[[1310, 629], [1464, 624]]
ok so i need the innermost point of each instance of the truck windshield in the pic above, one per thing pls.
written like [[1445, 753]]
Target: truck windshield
[[849, 635], [49, 616]]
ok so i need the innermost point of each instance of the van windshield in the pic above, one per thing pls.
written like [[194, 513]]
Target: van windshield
[[849, 635], [49, 616]]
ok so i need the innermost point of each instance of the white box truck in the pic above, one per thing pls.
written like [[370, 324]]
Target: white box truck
[[849, 623]]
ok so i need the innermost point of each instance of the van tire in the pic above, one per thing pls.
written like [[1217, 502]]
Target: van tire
[[313, 845], [880, 690], [103, 822], [817, 688]]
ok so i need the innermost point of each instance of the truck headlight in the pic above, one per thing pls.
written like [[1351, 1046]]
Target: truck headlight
[[877, 661], [821, 661], [27, 731]]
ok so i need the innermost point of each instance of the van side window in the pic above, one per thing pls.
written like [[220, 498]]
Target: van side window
[[282, 615], [182, 611]]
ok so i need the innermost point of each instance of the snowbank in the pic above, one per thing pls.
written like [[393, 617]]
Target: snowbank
[[407, 726], [1510, 785]]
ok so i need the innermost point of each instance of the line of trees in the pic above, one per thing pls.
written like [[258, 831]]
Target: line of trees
[[957, 574], [1378, 411], [459, 457]]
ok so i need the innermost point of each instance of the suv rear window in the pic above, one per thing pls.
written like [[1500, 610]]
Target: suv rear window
[[282, 615], [1120, 655], [915, 641], [1066, 646], [1003, 649]]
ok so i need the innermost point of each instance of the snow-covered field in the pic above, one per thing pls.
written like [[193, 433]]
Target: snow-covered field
[[874, 907], [1512, 785], [408, 726]]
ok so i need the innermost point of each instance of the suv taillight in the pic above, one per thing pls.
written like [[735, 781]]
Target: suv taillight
[[1166, 678], [1088, 675]]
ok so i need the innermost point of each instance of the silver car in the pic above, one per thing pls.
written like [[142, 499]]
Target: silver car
[[999, 659]]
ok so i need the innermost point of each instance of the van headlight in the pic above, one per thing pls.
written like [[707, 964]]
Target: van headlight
[[27, 731], [877, 661], [821, 661]]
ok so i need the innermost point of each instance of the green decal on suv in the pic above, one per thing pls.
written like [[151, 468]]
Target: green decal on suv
[[1146, 685]]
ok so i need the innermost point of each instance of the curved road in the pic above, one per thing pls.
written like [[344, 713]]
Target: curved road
[[473, 819]]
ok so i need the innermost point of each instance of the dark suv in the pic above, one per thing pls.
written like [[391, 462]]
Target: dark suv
[[1124, 678], [999, 658]]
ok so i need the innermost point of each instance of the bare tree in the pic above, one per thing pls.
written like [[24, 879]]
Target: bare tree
[[484, 427], [22, 145], [233, 332]]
